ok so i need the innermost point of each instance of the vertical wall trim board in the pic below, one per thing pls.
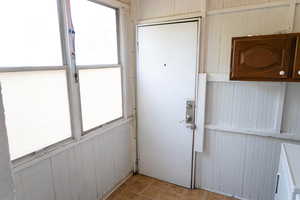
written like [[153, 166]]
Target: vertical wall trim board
[[52, 179], [280, 109], [291, 15], [200, 113]]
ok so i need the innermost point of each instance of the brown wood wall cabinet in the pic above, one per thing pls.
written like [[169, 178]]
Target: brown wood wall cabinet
[[266, 58]]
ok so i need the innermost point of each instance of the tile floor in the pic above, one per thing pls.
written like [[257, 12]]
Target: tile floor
[[144, 188]]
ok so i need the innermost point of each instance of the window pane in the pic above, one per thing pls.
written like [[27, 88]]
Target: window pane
[[96, 33], [36, 110], [101, 96], [29, 33]]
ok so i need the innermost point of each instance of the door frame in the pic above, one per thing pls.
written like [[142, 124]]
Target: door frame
[[198, 66]]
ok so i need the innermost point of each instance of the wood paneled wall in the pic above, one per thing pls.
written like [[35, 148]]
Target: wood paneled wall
[[88, 171]]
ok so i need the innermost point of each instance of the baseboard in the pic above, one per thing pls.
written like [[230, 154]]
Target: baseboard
[[117, 186], [222, 193]]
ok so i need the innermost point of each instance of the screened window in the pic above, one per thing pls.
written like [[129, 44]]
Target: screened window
[[29, 33], [36, 110], [96, 45], [96, 33], [101, 96], [35, 102]]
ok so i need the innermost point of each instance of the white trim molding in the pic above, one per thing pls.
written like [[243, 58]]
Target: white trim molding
[[248, 8], [261, 133], [112, 3], [49, 152], [171, 18]]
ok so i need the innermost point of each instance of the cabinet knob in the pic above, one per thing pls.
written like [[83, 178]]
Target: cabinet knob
[[282, 73], [299, 72]]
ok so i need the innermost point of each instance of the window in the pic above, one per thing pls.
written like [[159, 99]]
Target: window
[[29, 33], [96, 33], [35, 99], [33, 72], [96, 45], [36, 110], [101, 96]]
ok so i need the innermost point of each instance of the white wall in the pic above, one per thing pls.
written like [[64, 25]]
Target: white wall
[[6, 180], [236, 163], [84, 170], [87, 171]]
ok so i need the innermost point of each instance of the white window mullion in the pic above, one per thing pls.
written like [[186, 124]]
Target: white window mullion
[[73, 84]]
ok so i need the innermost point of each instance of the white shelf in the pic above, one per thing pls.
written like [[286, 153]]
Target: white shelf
[[261, 133]]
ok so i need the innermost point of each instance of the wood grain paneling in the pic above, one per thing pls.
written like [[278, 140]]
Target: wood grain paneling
[[263, 58]]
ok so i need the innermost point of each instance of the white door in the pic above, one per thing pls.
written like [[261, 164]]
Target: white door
[[167, 67]]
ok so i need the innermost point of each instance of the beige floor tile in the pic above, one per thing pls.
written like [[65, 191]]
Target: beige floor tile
[[152, 192], [145, 188]]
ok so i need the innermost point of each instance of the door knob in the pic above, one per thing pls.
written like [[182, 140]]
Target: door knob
[[282, 73], [299, 72]]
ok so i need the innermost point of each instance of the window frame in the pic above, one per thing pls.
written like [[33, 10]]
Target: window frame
[[73, 85], [120, 65], [4, 69]]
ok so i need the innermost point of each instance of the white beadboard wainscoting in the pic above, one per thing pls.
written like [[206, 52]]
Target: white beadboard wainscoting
[[241, 153], [245, 121], [87, 171], [243, 166]]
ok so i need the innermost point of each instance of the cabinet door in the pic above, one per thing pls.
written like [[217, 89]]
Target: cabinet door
[[262, 58], [296, 70]]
